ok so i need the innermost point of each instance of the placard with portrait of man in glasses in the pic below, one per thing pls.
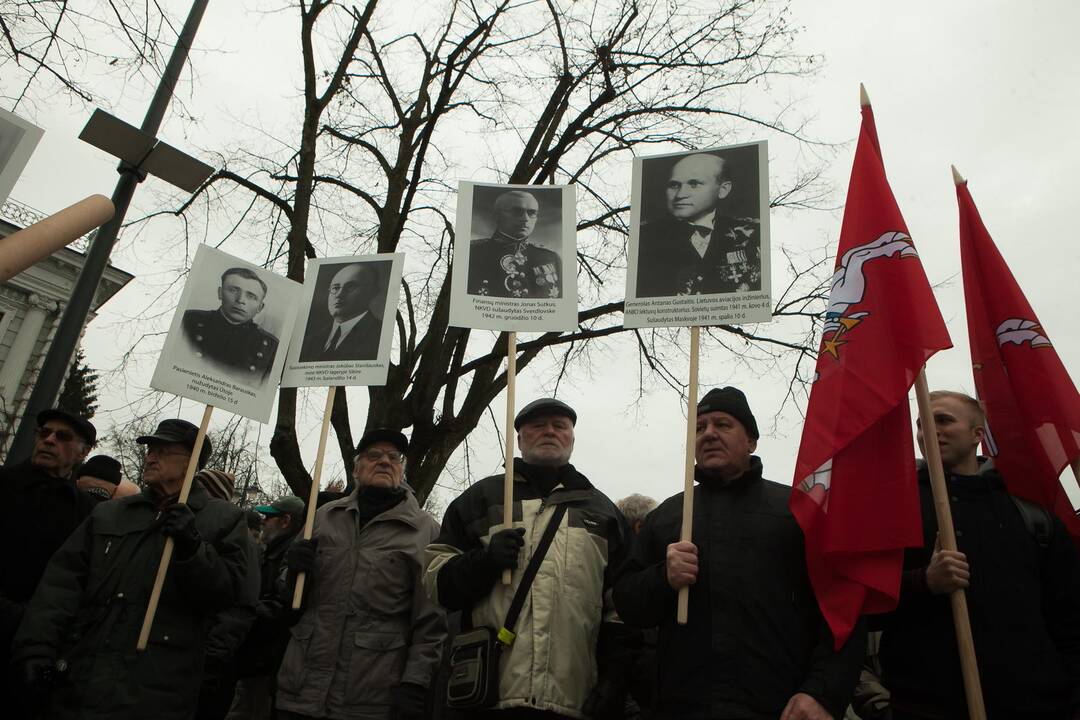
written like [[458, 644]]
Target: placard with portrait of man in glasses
[[347, 312], [515, 260]]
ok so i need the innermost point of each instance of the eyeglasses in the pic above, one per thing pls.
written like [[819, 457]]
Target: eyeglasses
[[373, 456], [61, 434], [162, 451]]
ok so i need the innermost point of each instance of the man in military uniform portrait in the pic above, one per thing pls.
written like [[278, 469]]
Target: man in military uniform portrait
[[351, 332], [228, 337], [508, 264], [695, 248]]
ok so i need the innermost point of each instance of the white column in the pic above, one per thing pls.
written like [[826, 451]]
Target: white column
[[15, 365]]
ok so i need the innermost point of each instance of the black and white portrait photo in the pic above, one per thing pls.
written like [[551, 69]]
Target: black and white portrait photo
[[229, 336], [227, 341], [345, 319], [518, 269], [700, 228], [516, 247], [18, 138], [345, 324]]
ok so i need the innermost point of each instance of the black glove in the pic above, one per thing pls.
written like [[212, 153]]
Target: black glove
[[37, 675], [502, 552], [607, 701], [301, 556], [409, 701], [178, 522]]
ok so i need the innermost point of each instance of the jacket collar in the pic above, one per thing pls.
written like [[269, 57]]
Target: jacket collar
[[27, 474], [750, 477], [406, 511], [572, 486], [986, 478], [197, 498]]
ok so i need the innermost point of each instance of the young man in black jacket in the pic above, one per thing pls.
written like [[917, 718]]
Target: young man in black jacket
[[756, 646], [1022, 585]]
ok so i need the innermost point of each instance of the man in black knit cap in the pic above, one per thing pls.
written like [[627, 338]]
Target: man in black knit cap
[[569, 657], [756, 645]]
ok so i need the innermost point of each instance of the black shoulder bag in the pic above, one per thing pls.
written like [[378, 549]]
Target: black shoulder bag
[[475, 652]]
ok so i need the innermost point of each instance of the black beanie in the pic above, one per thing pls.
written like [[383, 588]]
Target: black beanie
[[101, 467], [733, 402]]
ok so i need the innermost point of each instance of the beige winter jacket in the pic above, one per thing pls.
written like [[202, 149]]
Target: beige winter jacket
[[553, 662]]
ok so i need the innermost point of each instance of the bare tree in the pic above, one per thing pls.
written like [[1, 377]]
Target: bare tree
[[532, 91], [50, 45]]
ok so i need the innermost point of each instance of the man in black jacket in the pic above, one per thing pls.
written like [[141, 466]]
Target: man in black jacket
[[756, 645], [42, 507], [76, 643], [1022, 585], [260, 656]]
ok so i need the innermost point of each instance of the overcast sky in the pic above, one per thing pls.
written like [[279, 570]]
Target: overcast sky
[[984, 85]]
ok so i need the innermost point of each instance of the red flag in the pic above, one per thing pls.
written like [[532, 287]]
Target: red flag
[[1032, 407], [855, 490]]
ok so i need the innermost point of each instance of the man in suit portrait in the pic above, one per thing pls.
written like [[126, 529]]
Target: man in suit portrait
[[228, 337], [352, 331], [696, 249]]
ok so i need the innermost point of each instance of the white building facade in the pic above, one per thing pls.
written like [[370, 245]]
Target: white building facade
[[30, 307]]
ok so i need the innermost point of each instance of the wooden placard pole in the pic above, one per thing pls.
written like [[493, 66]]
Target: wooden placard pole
[[947, 537], [688, 469], [508, 480], [313, 495], [167, 551]]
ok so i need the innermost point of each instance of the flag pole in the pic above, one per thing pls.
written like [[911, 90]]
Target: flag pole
[[508, 478], [688, 468], [313, 494], [167, 550], [958, 599]]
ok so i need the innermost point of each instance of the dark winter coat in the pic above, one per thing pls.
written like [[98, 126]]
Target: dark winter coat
[[755, 635], [265, 645], [40, 512], [1024, 605], [89, 607]]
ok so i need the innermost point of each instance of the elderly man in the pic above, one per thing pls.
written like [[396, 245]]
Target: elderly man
[[43, 508], [696, 250], [756, 645], [229, 337], [507, 264], [569, 657], [352, 331], [260, 656], [1022, 577], [78, 636], [368, 641]]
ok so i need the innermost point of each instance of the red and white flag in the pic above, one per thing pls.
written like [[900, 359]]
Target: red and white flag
[[1032, 407], [855, 490]]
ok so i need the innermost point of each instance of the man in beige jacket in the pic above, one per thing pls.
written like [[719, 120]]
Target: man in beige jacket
[[368, 641]]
